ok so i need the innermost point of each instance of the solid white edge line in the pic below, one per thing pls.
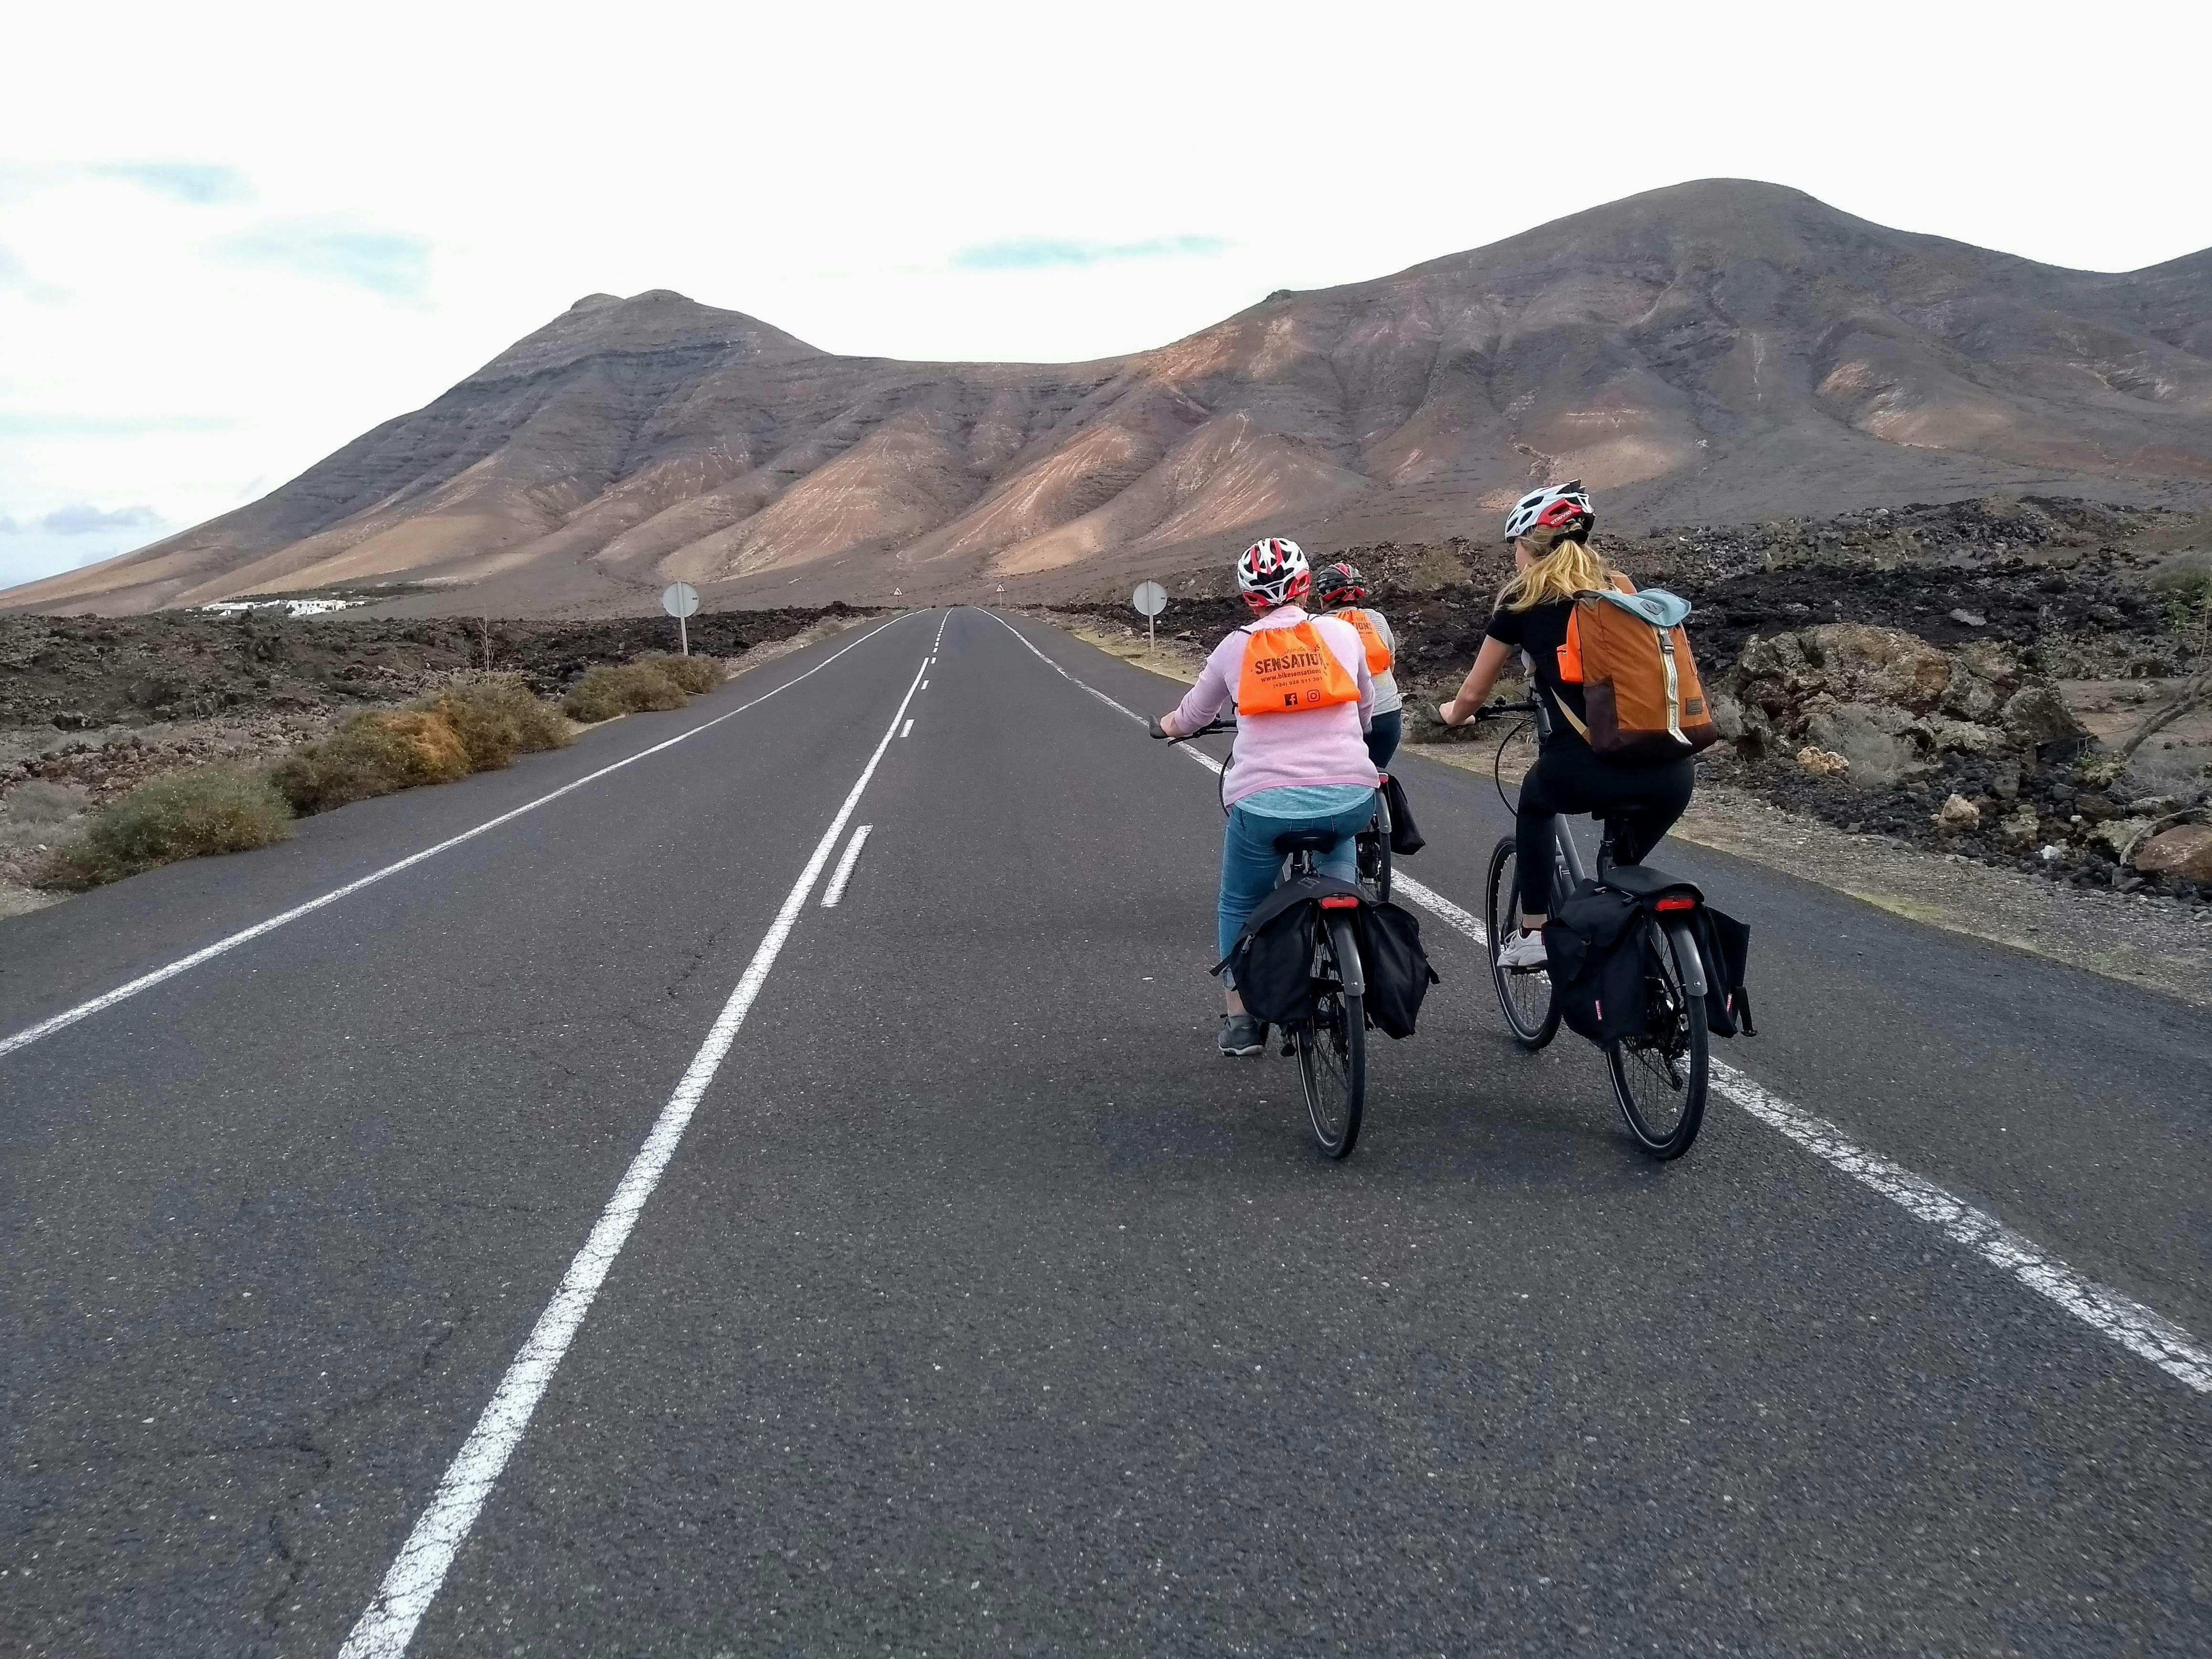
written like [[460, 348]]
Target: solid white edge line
[[387, 1625], [843, 872], [2141, 1331], [48, 1027]]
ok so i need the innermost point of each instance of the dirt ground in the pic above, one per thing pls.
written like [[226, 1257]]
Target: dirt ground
[[90, 708]]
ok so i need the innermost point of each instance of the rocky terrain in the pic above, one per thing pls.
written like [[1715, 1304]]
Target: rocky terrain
[[91, 706], [1714, 353], [1955, 677]]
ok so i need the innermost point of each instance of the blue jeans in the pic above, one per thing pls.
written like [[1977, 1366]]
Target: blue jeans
[[1382, 734], [1250, 865]]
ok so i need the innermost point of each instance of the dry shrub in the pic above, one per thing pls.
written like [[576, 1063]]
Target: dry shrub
[[496, 719], [629, 688], [186, 815], [694, 674], [376, 753]]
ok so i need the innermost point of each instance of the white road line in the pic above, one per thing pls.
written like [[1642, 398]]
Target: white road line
[[2141, 1331], [843, 872], [909, 726], [924, 684], [31, 1034], [385, 1629]]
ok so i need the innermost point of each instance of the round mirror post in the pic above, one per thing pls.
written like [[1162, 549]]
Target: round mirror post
[[1150, 599], [679, 600]]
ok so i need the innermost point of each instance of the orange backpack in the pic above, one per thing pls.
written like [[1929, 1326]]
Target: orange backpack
[[1378, 654], [1629, 652], [1289, 670]]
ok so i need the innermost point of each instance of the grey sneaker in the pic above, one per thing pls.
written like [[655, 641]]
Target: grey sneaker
[[1242, 1036], [1521, 950]]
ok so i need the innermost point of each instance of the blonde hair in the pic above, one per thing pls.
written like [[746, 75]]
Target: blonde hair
[[1559, 572]]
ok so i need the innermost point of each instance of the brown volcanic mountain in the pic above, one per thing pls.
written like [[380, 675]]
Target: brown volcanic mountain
[[1714, 351]]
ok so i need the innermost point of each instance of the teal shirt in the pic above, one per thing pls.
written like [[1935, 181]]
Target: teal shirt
[[1306, 800]]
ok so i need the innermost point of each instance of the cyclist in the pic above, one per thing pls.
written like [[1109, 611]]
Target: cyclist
[[1549, 530], [1339, 592], [1303, 692]]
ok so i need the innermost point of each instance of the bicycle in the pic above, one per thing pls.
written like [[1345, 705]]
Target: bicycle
[[1660, 1078], [1331, 1045]]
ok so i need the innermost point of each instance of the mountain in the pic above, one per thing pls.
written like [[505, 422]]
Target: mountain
[[1711, 352]]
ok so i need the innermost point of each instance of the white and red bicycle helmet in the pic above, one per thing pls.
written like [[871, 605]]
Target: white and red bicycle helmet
[[1275, 569], [1564, 508]]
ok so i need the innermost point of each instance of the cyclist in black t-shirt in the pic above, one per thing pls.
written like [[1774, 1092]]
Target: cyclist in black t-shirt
[[1549, 530]]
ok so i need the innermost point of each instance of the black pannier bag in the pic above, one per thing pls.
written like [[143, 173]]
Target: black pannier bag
[[1398, 971], [1405, 839], [1597, 948], [1272, 961], [1724, 942]]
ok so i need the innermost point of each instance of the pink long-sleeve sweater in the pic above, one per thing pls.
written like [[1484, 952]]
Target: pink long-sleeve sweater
[[1273, 751]]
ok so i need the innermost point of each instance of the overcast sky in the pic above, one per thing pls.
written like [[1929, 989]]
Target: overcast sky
[[232, 237]]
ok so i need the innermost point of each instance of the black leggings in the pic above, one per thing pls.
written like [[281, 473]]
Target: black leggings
[[1639, 805]]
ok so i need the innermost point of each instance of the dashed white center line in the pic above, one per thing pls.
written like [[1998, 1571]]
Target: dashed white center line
[[2141, 1330], [909, 726], [384, 1631], [843, 872], [925, 685]]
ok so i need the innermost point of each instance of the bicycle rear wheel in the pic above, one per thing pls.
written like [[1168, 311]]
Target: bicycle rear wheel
[[1525, 996], [1332, 1047], [1659, 1080], [1373, 846]]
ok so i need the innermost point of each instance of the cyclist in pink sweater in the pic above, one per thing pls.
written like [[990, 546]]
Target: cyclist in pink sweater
[[1304, 696]]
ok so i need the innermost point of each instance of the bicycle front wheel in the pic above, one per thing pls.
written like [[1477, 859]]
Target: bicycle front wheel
[[1659, 1079], [1332, 1046], [1525, 996]]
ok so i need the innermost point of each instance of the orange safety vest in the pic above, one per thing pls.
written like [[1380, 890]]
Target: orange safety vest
[[1378, 654], [1289, 670]]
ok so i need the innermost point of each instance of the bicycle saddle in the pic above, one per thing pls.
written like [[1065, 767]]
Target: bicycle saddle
[[1306, 841]]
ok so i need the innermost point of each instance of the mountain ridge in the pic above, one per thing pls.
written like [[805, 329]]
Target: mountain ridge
[[1716, 350]]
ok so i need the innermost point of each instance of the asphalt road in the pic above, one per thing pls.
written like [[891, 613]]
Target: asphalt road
[[980, 1307]]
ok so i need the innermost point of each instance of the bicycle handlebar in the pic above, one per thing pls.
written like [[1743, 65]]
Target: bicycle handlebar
[[1153, 727]]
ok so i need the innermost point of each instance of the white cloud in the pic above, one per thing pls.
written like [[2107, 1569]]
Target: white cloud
[[278, 224]]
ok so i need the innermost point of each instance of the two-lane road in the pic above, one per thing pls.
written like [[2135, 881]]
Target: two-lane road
[[583, 1240]]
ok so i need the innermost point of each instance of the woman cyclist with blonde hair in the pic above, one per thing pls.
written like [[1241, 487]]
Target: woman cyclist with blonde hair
[[1553, 562]]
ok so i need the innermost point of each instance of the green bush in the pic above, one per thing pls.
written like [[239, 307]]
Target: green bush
[[186, 815], [497, 720], [629, 688], [376, 753]]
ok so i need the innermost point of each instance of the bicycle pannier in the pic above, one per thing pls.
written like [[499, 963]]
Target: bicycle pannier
[[1397, 968], [1405, 839], [1725, 943], [1271, 964], [1629, 652], [1597, 949]]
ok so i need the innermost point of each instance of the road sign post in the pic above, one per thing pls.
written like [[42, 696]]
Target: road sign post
[[1150, 599], [679, 600]]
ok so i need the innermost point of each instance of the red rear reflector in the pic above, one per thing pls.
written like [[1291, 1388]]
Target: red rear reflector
[[1674, 901], [1340, 902]]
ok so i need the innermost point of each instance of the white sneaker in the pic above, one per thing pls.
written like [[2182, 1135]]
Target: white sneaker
[[1522, 951]]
